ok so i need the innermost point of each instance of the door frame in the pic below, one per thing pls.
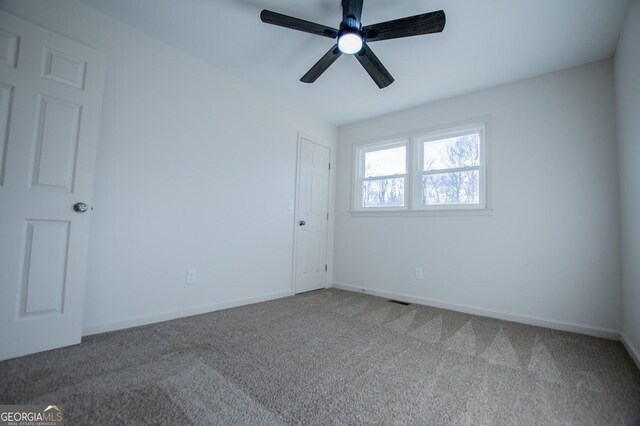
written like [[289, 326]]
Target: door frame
[[301, 136]]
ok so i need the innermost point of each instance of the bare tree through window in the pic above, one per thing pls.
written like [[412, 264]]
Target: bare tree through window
[[459, 179], [383, 192], [384, 172]]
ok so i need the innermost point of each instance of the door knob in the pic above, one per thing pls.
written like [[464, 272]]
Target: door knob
[[80, 207], [302, 223]]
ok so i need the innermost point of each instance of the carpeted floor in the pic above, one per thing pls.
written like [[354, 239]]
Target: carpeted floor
[[332, 357]]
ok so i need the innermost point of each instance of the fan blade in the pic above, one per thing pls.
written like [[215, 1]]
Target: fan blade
[[281, 20], [427, 23], [322, 65], [374, 67], [353, 9]]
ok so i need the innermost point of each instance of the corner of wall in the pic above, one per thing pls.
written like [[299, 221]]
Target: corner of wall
[[627, 93], [634, 352]]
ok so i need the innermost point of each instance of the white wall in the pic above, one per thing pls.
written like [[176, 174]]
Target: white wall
[[627, 76], [195, 170], [550, 250]]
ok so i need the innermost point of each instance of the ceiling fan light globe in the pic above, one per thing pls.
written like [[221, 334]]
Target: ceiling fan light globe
[[350, 43]]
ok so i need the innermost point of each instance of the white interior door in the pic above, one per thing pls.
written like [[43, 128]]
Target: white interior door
[[312, 215], [50, 102]]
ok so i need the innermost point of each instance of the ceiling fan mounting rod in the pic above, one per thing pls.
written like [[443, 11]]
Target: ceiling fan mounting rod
[[351, 23]]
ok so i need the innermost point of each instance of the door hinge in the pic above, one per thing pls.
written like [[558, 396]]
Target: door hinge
[[329, 166], [327, 216], [325, 268]]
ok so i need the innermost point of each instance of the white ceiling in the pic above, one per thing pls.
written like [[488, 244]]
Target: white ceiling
[[485, 43]]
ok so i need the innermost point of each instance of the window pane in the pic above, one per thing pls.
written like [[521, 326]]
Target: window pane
[[451, 188], [383, 192], [386, 162], [461, 151]]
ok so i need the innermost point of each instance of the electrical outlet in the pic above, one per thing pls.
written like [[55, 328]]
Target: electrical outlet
[[418, 273], [191, 276]]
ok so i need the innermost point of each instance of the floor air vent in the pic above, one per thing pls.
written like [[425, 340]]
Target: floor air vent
[[398, 302]]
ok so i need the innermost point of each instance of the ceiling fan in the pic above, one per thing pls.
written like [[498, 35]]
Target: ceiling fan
[[352, 37]]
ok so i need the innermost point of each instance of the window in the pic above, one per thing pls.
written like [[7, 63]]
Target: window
[[383, 176], [442, 169]]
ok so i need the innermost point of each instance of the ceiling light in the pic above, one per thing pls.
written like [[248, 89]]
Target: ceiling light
[[349, 43]]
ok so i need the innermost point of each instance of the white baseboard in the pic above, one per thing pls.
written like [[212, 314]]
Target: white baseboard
[[507, 316], [150, 319], [633, 351]]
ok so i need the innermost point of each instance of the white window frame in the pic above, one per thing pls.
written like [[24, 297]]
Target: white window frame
[[426, 137], [414, 142], [359, 178]]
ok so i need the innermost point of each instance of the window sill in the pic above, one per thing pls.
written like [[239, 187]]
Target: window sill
[[423, 213]]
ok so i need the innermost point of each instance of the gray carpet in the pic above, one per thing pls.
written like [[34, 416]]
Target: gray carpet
[[332, 357]]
